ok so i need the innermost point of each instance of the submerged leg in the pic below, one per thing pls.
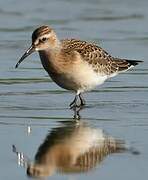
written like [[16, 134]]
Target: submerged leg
[[75, 107], [77, 114], [77, 104]]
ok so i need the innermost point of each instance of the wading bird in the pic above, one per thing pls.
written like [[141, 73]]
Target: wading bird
[[73, 64]]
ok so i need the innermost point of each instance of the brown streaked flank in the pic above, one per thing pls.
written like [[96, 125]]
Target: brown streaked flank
[[73, 64]]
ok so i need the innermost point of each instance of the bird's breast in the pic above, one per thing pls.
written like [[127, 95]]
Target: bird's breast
[[59, 69], [72, 74]]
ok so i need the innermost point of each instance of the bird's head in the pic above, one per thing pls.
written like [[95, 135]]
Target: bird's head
[[43, 38]]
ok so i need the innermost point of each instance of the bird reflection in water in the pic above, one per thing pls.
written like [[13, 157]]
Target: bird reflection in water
[[73, 147]]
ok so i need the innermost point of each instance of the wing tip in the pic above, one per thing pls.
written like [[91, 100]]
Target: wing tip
[[134, 62]]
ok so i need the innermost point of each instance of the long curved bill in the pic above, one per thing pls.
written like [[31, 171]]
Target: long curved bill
[[26, 54]]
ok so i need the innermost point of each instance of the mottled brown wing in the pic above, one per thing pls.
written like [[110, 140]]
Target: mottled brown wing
[[99, 59]]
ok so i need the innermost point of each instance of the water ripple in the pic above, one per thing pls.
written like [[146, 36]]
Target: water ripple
[[24, 80], [111, 18]]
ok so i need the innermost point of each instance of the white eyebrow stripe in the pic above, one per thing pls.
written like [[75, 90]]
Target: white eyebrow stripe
[[45, 35]]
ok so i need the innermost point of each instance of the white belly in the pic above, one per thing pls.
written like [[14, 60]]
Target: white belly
[[80, 78], [87, 77]]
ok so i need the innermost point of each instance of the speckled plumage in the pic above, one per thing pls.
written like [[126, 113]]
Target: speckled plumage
[[98, 58], [74, 64]]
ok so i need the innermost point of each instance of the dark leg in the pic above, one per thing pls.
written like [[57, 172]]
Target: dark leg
[[75, 107], [76, 114], [82, 101], [73, 104]]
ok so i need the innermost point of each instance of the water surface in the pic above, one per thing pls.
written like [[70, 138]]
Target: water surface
[[31, 105]]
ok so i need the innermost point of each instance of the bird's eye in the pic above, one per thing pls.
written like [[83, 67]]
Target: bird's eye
[[44, 39]]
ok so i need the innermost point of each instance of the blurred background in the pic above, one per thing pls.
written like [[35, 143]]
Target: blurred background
[[31, 104]]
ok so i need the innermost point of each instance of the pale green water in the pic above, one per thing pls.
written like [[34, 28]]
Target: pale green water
[[29, 98]]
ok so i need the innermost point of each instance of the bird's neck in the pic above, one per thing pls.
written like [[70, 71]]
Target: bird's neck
[[48, 58], [56, 45]]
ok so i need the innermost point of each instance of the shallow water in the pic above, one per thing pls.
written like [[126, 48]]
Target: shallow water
[[31, 105]]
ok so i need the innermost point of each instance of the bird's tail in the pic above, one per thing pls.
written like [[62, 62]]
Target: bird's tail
[[125, 64], [133, 62]]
